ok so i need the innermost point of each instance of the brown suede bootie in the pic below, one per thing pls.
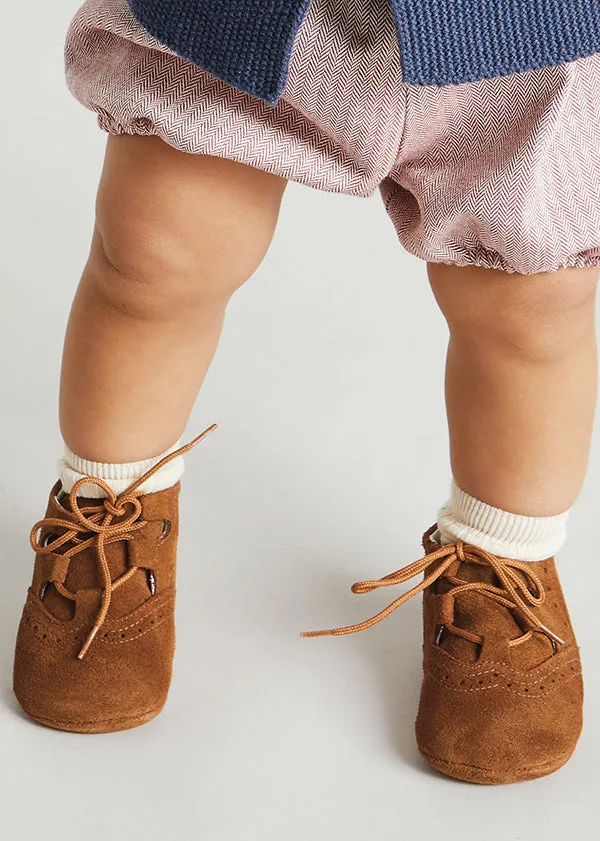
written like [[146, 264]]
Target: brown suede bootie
[[502, 692], [95, 644]]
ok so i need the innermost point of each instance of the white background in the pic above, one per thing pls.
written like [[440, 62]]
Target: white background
[[329, 462]]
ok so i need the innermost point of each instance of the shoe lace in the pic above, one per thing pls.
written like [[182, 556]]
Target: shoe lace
[[98, 519], [516, 592]]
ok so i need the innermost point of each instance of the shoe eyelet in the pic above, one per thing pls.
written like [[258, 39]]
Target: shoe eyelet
[[439, 634], [151, 578], [166, 530]]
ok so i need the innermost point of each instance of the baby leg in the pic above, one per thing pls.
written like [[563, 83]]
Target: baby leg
[[521, 383], [175, 235]]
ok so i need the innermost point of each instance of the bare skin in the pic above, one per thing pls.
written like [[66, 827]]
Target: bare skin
[[521, 383], [176, 234]]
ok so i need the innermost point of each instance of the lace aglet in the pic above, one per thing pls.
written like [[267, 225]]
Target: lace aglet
[[552, 635], [337, 632], [88, 642], [203, 434]]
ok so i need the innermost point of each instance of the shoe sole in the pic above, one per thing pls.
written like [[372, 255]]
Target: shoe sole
[[487, 776], [105, 726]]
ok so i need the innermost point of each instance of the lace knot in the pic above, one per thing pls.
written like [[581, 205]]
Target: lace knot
[[514, 592], [104, 530], [116, 512]]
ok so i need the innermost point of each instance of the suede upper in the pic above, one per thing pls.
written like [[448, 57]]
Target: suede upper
[[502, 691], [124, 677], [496, 711]]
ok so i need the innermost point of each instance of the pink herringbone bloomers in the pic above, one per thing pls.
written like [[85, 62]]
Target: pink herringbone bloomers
[[501, 173]]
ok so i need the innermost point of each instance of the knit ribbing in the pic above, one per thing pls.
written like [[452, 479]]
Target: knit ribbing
[[451, 41], [248, 43], [505, 534], [120, 475]]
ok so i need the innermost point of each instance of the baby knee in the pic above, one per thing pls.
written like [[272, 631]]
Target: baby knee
[[149, 271], [553, 314], [539, 317]]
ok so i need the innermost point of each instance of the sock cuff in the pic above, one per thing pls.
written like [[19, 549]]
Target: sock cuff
[[119, 476], [516, 536]]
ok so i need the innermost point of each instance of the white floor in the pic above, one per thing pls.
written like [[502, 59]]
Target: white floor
[[329, 462]]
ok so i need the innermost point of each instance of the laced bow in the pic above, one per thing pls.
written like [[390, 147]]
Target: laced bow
[[105, 531], [515, 592]]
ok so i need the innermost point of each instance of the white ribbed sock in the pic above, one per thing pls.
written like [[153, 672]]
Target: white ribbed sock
[[508, 535], [119, 476]]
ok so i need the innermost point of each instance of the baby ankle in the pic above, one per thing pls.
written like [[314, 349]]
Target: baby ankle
[[516, 536], [120, 475]]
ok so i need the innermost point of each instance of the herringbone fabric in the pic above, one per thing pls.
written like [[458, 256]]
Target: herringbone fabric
[[501, 173]]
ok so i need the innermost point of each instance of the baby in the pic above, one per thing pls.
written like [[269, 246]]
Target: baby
[[481, 130]]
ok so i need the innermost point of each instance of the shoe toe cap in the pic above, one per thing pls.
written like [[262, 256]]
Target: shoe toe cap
[[491, 726], [114, 687]]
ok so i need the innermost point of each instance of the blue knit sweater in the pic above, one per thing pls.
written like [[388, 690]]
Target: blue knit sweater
[[248, 43]]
